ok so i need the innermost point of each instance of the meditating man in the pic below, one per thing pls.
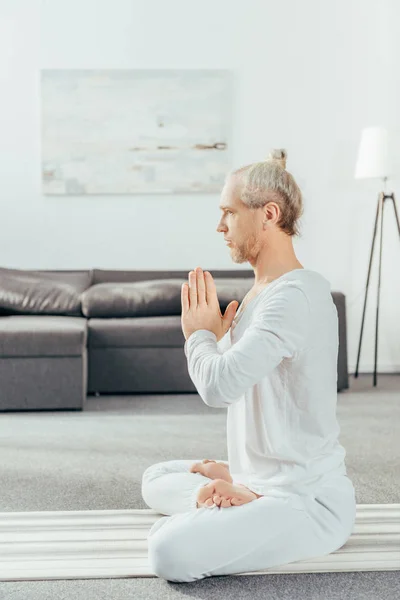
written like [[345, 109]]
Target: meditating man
[[284, 494]]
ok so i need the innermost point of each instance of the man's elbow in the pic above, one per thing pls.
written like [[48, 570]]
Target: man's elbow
[[219, 400], [213, 399], [214, 402]]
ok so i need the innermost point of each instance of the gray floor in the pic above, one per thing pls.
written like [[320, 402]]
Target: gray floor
[[95, 459]]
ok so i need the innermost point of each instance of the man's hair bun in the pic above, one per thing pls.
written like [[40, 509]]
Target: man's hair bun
[[278, 155]]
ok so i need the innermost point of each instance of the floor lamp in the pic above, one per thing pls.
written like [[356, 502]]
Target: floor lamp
[[372, 161]]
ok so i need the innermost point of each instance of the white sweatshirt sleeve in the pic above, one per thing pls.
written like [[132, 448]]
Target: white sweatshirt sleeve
[[278, 330]]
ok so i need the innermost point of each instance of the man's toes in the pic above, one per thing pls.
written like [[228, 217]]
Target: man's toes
[[195, 468], [236, 501], [225, 503]]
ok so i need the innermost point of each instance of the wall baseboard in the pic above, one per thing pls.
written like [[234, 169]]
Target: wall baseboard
[[113, 543], [368, 369]]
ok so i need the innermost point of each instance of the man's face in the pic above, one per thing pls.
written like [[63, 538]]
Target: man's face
[[238, 223]]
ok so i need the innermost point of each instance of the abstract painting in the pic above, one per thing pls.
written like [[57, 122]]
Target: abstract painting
[[128, 131]]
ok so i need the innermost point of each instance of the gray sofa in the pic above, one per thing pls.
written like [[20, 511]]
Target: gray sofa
[[117, 335]]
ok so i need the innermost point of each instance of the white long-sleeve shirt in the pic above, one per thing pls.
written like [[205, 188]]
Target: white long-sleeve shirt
[[275, 371]]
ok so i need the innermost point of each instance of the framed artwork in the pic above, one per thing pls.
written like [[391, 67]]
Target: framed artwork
[[128, 131]]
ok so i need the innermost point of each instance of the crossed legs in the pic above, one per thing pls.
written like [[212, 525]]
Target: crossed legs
[[192, 543]]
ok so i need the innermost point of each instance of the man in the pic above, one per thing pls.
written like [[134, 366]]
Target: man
[[273, 365]]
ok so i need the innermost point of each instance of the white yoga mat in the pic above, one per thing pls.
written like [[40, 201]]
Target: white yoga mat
[[107, 543]]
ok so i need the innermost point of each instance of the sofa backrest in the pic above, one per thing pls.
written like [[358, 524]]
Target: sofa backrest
[[60, 272], [113, 275], [42, 291]]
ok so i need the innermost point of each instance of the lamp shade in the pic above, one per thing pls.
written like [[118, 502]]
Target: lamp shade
[[372, 160]]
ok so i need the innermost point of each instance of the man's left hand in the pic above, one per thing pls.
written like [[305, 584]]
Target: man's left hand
[[200, 306]]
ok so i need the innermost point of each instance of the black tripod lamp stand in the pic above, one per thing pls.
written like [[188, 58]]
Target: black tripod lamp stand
[[373, 162]]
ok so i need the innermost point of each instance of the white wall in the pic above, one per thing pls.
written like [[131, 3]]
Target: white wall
[[308, 76]]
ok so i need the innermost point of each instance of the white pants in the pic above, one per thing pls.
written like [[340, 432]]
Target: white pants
[[192, 543]]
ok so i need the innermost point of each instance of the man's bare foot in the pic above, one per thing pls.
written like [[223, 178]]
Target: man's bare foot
[[224, 494], [212, 470]]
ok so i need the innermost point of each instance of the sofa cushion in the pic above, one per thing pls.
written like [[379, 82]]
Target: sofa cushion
[[155, 297], [156, 332], [39, 293], [27, 335]]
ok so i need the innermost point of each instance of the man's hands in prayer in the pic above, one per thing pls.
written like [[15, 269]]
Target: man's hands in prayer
[[200, 306]]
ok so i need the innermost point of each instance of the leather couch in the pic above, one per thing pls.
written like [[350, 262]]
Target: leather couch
[[116, 335]]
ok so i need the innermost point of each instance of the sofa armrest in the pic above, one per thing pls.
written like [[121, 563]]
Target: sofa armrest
[[343, 374]]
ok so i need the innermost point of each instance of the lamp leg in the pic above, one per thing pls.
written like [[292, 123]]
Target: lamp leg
[[368, 278], [378, 294], [395, 212]]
